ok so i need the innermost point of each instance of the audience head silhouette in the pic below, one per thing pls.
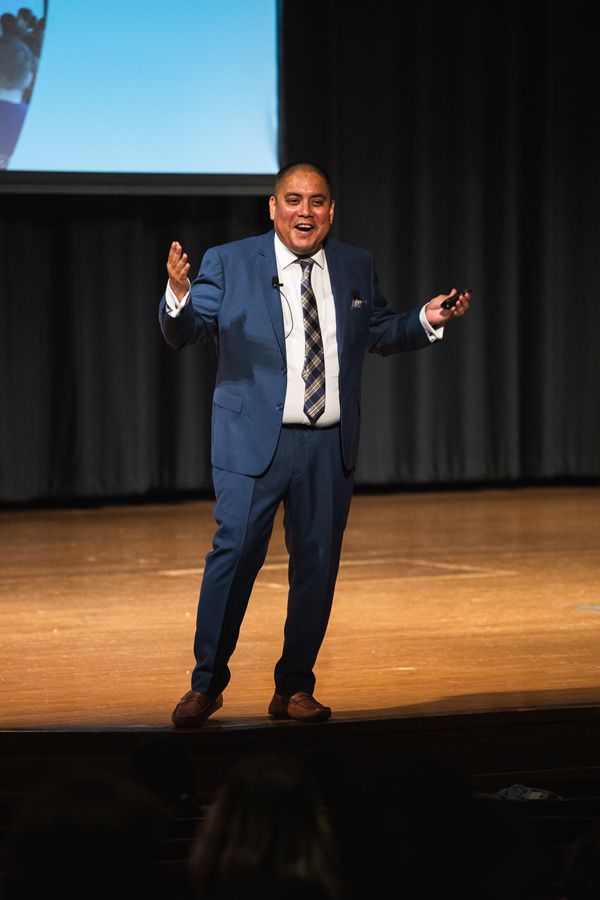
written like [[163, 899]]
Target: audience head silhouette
[[85, 836], [267, 837]]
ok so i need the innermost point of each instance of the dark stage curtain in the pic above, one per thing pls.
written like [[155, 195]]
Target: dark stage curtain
[[94, 402], [463, 139]]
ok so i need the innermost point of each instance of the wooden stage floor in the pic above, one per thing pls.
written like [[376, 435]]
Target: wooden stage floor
[[447, 603]]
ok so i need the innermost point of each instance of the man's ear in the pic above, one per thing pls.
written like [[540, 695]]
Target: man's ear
[[272, 205], [331, 208]]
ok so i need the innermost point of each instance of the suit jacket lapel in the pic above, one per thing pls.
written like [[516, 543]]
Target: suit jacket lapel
[[341, 291], [266, 264]]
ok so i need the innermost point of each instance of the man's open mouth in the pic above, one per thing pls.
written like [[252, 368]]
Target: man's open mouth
[[304, 226]]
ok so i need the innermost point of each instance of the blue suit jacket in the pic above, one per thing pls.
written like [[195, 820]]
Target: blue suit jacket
[[233, 302]]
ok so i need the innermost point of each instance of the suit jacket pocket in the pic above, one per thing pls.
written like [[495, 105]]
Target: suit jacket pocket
[[232, 402]]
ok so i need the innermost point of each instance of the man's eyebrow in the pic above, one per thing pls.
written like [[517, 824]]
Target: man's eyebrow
[[311, 196]]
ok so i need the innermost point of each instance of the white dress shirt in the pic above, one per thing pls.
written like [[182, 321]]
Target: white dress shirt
[[289, 273]]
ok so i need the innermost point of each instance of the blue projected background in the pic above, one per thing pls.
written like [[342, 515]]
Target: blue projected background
[[152, 86]]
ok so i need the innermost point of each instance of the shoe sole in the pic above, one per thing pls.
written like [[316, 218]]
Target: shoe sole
[[196, 721], [319, 716]]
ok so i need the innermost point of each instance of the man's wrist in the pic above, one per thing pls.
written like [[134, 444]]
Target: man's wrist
[[180, 292], [435, 332], [174, 304]]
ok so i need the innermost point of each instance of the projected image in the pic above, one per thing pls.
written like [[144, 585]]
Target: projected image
[[140, 86], [21, 37]]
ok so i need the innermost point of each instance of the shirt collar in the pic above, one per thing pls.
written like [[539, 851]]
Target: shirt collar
[[286, 258]]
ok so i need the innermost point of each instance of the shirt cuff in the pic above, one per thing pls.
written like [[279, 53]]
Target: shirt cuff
[[434, 334], [174, 306]]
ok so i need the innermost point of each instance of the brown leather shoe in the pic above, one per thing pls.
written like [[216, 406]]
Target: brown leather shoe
[[194, 708], [299, 706]]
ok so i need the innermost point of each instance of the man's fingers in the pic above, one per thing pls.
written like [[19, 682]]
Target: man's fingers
[[439, 315], [177, 268], [460, 302], [461, 306], [177, 264], [174, 253], [181, 265]]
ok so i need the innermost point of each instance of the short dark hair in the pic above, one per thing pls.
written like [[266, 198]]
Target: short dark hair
[[302, 166]]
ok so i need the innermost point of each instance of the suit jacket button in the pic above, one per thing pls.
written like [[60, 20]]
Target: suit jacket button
[[280, 406], [284, 371]]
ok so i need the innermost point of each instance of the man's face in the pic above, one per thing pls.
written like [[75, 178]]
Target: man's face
[[302, 212]]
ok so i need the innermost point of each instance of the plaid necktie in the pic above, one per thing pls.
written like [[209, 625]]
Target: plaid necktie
[[314, 360]]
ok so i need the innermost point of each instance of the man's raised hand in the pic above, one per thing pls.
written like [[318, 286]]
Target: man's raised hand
[[437, 316], [178, 267]]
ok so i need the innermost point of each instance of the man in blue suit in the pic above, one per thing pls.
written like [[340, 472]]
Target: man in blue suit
[[292, 314]]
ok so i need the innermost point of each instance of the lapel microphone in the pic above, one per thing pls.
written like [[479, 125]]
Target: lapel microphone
[[277, 284]]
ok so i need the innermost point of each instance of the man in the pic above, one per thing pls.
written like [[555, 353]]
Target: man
[[292, 315]]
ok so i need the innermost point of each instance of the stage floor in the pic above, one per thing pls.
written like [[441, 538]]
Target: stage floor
[[447, 603]]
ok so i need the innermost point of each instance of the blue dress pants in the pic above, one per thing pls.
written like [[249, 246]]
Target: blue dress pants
[[308, 475]]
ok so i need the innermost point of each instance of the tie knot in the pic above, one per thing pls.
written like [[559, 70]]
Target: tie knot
[[306, 264]]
